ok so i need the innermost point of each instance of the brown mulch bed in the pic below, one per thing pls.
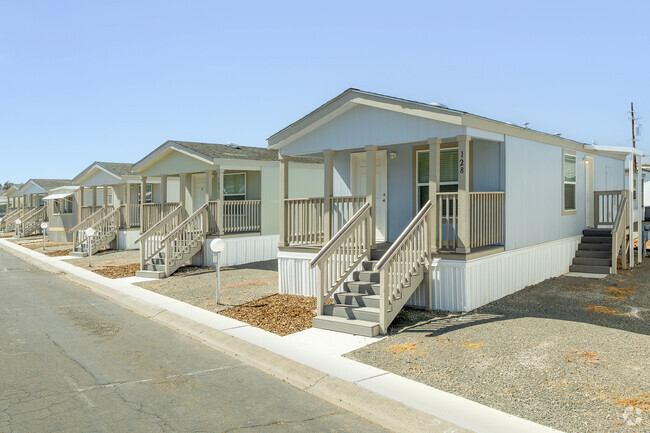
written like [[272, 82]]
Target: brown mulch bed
[[120, 271], [59, 253], [6, 236], [280, 314]]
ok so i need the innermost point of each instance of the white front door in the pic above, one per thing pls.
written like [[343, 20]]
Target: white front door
[[198, 190], [589, 191], [358, 177]]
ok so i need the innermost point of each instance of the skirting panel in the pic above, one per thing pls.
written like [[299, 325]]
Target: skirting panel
[[295, 277], [244, 249], [127, 239]]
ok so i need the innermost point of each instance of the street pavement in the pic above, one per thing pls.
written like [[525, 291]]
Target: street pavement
[[71, 361]]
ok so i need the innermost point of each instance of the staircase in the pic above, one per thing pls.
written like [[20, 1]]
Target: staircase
[[8, 222], [31, 222], [106, 224], [381, 286], [594, 255], [170, 244]]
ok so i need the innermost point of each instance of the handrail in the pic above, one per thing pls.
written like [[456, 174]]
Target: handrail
[[106, 217], [403, 237], [338, 236], [164, 220], [618, 233], [184, 223], [78, 226]]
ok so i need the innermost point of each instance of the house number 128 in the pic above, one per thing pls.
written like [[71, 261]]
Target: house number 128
[[461, 162]]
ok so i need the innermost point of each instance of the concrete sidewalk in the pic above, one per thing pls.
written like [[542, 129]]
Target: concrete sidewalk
[[311, 360]]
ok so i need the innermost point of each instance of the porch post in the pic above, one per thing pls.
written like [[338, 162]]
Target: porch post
[[94, 198], [106, 196], [127, 197], [371, 189], [284, 195], [220, 187], [80, 203], [208, 186], [327, 194], [434, 181], [183, 196], [639, 203], [163, 189], [143, 198], [117, 195], [463, 194]]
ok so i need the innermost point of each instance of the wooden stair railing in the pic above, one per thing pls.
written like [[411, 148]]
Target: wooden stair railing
[[402, 267], [9, 220], [79, 231], [31, 222], [620, 233], [188, 236], [150, 241], [342, 255], [106, 229]]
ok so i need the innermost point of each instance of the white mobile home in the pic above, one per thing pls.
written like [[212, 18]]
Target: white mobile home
[[466, 208]]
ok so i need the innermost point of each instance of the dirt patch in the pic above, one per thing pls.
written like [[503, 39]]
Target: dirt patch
[[39, 245], [401, 348], [641, 402], [620, 293], [280, 314], [473, 345], [119, 271], [605, 310], [585, 357], [59, 253]]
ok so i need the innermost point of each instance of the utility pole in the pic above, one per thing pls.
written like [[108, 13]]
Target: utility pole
[[633, 138]]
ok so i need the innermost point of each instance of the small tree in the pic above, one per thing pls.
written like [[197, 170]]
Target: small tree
[[7, 185]]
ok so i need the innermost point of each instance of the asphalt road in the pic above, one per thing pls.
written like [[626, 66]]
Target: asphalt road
[[71, 361]]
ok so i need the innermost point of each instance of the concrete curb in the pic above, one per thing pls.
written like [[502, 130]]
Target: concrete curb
[[392, 401]]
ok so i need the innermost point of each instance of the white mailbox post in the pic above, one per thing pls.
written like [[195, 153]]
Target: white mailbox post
[[217, 246], [18, 223], [90, 232], [43, 227]]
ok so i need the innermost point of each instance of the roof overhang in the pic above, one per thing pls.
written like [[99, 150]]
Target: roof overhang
[[90, 171], [615, 149], [165, 149], [58, 195]]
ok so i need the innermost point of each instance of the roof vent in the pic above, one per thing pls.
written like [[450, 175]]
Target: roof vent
[[233, 145], [558, 134], [437, 104], [526, 124]]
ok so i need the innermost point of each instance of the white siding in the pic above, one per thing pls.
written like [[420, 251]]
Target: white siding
[[243, 249], [363, 125]]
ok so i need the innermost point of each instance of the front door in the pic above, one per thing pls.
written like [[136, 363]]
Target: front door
[[358, 166], [198, 191], [589, 191]]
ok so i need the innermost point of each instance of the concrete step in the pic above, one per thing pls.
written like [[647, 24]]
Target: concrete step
[[150, 274], [357, 299], [340, 324], [360, 313], [596, 240], [595, 247], [590, 269], [597, 232], [363, 287], [595, 254], [79, 254], [366, 276], [590, 261]]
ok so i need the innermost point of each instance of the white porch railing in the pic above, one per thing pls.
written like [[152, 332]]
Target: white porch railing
[[304, 221], [342, 254], [150, 241], [402, 267], [606, 206], [79, 237], [486, 218], [153, 213], [131, 215], [241, 216], [447, 221]]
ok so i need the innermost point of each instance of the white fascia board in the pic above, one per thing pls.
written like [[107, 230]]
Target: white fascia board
[[615, 149], [243, 164], [146, 162], [27, 185], [94, 170], [485, 135]]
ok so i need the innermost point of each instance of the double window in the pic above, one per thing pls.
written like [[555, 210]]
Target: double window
[[568, 182], [234, 186], [63, 206], [448, 173]]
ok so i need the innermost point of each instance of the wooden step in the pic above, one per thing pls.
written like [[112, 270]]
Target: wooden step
[[369, 265], [595, 247], [340, 324], [359, 313], [590, 261], [597, 240], [596, 254], [362, 287], [597, 232], [366, 276], [590, 269], [357, 299]]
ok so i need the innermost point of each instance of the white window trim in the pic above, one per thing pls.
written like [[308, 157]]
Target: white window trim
[[574, 183], [417, 175], [224, 184]]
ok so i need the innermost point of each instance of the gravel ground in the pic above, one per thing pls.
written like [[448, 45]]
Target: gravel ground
[[569, 353], [35, 243], [109, 258], [239, 285]]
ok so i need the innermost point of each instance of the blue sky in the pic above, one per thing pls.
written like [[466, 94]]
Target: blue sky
[[110, 81]]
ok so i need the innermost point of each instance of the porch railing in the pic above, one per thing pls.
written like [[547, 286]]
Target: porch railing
[[9, 220], [343, 209], [79, 231], [486, 218], [241, 216], [606, 207], [342, 255], [131, 215], [155, 212], [447, 221], [619, 235], [31, 221], [304, 221], [188, 235], [402, 267], [87, 211], [150, 241]]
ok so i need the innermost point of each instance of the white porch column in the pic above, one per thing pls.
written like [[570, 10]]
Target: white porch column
[[94, 198], [371, 189], [639, 202], [105, 196], [328, 187], [163, 189], [434, 181], [127, 197], [143, 198], [284, 195], [183, 184], [464, 188], [80, 203], [220, 187], [208, 186]]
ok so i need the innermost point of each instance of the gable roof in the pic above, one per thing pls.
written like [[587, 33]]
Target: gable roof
[[212, 152], [47, 184], [354, 97], [117, 169]]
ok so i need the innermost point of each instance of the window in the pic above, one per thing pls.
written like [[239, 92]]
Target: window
[[234, 186], [569, 182], [63, 205], [110, 196], [148, 194], [448, 173]]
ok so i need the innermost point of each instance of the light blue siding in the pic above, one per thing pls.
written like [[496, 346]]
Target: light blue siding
[[487, 166]]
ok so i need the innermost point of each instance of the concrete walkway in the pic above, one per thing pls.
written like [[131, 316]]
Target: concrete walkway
[[310, 360]]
